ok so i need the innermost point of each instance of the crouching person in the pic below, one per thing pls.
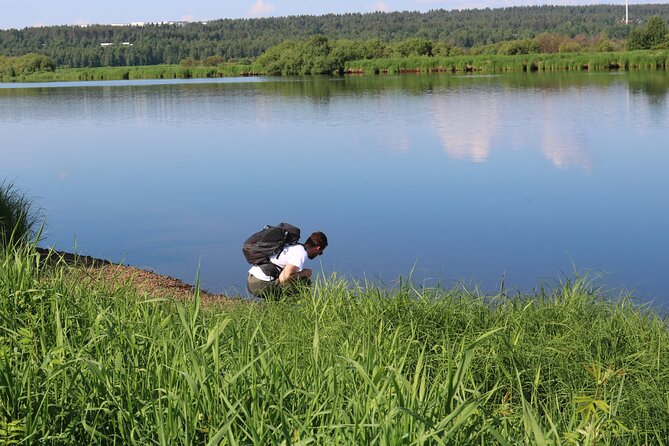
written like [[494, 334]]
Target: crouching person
[[285, 273]]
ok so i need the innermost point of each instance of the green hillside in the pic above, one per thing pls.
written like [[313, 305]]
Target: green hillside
[[238, 39]]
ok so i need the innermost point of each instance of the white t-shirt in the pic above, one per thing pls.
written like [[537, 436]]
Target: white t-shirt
[[296, 255]]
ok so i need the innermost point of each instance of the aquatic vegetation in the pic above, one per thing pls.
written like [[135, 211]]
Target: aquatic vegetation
[[497, 63]]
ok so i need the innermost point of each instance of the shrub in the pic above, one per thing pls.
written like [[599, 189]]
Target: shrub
[[523, 46], [654, 33], [24, 65], [606, 46], [413, 47], [550, 42], [570, 46]]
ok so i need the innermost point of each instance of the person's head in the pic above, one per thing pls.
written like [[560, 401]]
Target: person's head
[[315, 244]]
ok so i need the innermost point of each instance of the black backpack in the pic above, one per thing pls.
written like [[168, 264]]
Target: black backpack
[[259, 247]]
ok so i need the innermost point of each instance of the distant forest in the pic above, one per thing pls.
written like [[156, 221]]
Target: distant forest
[[239, 39]]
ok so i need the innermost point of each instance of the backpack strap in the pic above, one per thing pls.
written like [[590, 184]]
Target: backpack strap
[[283, 244]]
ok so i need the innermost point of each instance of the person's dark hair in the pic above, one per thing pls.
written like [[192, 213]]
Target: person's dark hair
[[317, 239]]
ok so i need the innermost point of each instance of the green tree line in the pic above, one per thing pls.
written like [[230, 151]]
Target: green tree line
[[319, 55], [235, 39]]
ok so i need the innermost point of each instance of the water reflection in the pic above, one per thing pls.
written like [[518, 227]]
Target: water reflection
[[467, 124], [652, 85], [561, 142], [565, 150], [471, 124], [472, 116]]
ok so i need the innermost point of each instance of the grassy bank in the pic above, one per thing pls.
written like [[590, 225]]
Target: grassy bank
[[621, 60], [84, 361], [140, 72]]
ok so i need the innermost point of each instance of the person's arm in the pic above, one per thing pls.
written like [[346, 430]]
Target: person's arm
[[291, 271]]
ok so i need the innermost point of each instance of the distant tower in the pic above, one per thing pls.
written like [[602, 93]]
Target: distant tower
[[627, 17]]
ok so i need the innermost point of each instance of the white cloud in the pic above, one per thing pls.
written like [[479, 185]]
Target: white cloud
[[260, 9], [188, 18], [380, 6]]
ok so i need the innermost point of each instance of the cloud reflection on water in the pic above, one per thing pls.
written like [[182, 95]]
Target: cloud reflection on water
[[466, 125], [471, 126]]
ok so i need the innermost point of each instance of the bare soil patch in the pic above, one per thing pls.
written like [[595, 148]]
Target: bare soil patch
[[146, 282]]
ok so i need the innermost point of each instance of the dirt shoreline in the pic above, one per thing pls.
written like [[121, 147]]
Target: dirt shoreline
[[145, 281]]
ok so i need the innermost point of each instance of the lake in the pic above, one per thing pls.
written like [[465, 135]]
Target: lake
[[521, 178]]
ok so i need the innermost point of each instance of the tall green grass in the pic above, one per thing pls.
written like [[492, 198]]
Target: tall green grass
[[83, 362], [628, 60], [18, 218], [138, 72]]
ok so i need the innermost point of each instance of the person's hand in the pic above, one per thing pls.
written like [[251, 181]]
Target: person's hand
[[306, 272]]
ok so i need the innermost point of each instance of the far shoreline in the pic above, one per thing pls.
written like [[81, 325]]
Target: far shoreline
[[624, 61]]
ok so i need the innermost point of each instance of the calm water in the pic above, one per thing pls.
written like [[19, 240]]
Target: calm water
[[456, 178]]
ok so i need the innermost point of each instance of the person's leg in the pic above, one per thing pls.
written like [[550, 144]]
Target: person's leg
[[262, 288], [255, 286]]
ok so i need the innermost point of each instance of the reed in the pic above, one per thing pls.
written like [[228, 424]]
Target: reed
[[83, 361], [18, 218], [486, 63], [138, 72]]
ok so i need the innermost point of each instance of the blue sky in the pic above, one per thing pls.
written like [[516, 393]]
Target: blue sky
[[21, 14]]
